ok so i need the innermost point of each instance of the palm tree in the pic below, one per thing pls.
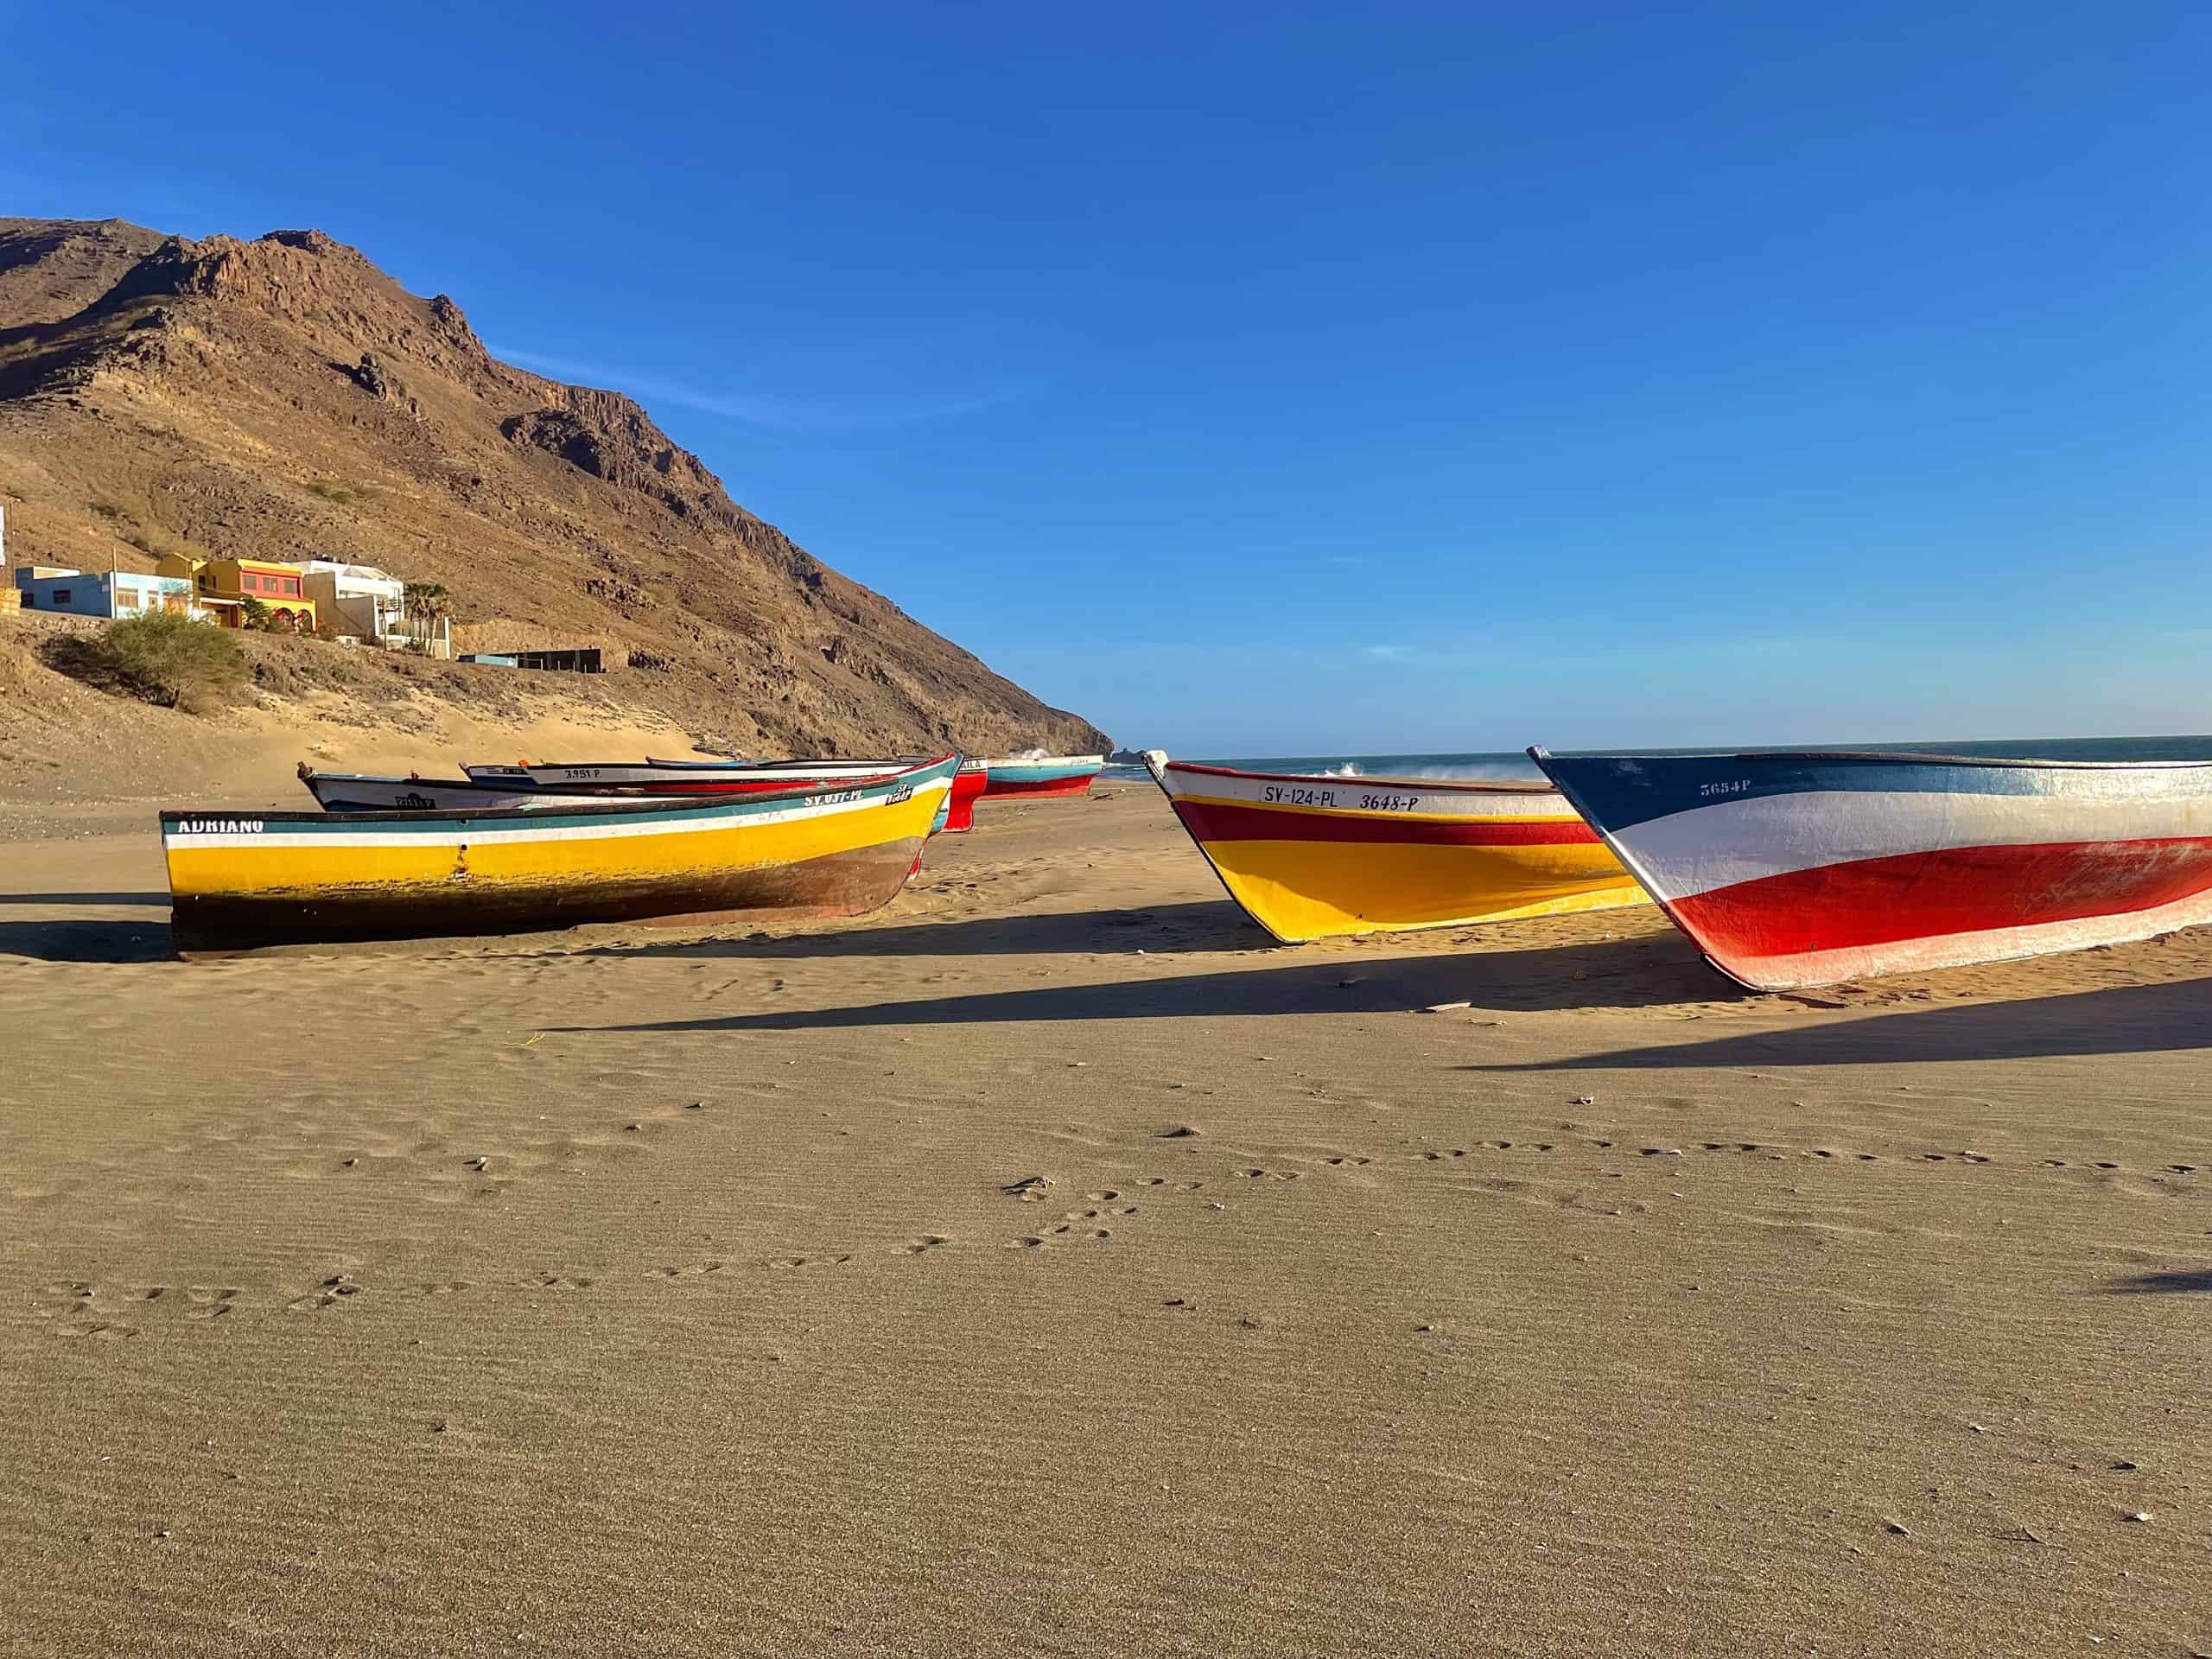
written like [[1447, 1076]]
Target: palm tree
[[426, 602]]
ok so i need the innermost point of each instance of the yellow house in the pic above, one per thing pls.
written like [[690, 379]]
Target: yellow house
[[224, 585]]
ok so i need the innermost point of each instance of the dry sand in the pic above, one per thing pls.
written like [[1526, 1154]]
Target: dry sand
[[633, 1292]]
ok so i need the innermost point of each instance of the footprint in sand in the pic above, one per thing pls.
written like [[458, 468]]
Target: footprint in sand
[[926, 1243], [209, 1301], [332, 1291]]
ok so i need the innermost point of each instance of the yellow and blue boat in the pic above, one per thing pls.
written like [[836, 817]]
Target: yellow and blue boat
[[1316, 857], [241, 880]]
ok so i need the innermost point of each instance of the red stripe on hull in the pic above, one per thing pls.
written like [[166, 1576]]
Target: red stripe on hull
[[998, 789], [1880, 901], [1211, 821], [966, 786]]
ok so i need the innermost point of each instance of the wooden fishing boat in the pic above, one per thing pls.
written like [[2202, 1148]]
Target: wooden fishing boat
[[1312, 857], [1796, 870], [1063, 774], [349, 792], [238, 879], [685, 778], [968, 785], [879, 764]]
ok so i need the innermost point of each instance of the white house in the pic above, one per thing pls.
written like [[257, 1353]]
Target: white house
[[359, 600]]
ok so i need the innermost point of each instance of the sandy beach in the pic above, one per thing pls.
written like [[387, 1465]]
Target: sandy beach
[[1048, 1265]]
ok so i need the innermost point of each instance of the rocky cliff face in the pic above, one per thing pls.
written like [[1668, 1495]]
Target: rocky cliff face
[[283, 398]]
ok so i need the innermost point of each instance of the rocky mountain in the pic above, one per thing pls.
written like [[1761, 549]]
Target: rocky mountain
[[283, 398]]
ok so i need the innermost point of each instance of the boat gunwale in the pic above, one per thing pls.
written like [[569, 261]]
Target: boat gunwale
[[1467, 786], [654, 761], [1869, 757], [614, 807]]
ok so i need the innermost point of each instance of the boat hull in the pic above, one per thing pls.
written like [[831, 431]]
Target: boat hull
[[1792, 871], [239, 881], [663, 779], [967, 784], [338, 791], [1067, 775], [1310, 858]]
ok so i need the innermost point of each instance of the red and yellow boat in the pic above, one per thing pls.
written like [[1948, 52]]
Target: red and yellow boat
[[1311, 857]]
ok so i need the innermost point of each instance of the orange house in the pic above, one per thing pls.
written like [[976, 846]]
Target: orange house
[[224, 585]]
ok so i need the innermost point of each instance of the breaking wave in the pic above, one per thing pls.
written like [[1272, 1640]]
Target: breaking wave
[[1444, 768]]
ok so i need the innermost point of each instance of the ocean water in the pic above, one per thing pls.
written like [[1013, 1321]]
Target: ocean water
[[1513, 767]]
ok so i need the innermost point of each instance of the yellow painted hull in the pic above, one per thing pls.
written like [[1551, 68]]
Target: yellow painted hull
[[1319, 857], [237, 880], [1305, 889]]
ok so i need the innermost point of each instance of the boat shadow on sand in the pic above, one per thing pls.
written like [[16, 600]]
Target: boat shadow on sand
[[1209, 925], [2183, 1282], [1611, 973], [2117, 1020], [75, 939]]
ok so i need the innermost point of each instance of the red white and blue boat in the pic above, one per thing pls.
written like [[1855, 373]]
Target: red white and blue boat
[[1041, 775], [1798, 870]]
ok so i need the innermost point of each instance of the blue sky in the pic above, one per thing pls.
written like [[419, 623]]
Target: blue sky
[[1295, 379]]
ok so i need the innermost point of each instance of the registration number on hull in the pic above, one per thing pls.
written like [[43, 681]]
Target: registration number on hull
[[1307, 795]]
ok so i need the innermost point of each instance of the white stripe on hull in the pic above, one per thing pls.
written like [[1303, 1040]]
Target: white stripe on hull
[[652, 776], [1388, 797], [678, 818], [419, 795], [1685, 853]]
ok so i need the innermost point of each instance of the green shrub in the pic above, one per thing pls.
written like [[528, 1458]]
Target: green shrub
[[160, 658]]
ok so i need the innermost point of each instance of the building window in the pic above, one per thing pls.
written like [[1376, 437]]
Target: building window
[[61, 596]]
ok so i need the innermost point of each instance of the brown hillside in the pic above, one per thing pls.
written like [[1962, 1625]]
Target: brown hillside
[[283, 398]]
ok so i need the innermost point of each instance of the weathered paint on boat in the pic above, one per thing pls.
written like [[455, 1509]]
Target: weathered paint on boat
[[1314, 857], [968, 784], [662, 777], [347, 791], [1795, 870], [1063, 774], [879, 764], [237, 879]]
